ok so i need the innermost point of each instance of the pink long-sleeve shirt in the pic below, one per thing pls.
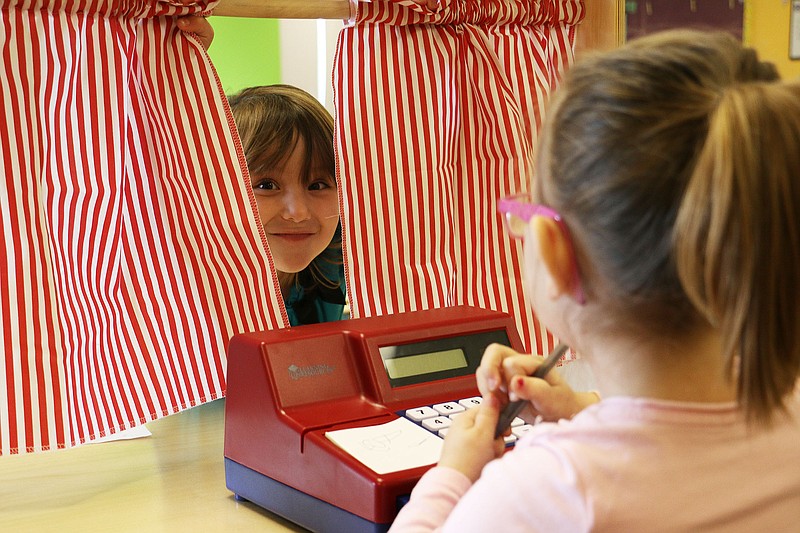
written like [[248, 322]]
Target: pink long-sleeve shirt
[[627, 464]]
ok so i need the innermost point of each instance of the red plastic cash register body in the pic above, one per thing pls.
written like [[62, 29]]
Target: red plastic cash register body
[[288, 387]]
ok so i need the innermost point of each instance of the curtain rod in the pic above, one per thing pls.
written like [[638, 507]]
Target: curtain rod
[[284, 9]]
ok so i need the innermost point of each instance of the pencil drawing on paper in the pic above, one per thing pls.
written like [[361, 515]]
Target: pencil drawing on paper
[[384, 443]]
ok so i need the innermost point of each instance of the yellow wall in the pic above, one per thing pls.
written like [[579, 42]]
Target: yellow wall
[[767, 30]]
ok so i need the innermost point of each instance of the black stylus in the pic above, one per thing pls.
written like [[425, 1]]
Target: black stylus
[[513, 408]]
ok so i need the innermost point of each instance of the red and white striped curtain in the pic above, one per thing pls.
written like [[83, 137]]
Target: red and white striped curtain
[[129, 245], [437, 112]]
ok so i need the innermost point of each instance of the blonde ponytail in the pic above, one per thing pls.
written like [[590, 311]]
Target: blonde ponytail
[[737, 239]]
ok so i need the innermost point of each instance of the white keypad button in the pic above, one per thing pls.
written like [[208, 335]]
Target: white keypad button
[[435, 424], [448, 408], [519, 431], [421, 413], [469, 403], [510, 439], [517, 422]]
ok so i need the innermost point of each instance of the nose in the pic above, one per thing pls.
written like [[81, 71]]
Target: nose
[[295, 206]]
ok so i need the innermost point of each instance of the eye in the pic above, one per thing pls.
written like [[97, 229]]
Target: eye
[[321, 184], [265, 185]]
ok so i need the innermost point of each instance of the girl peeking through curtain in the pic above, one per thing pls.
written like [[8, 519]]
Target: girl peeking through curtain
[[287, 138]]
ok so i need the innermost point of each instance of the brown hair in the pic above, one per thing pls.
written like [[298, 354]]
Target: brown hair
[[674, 160], [270, 120]]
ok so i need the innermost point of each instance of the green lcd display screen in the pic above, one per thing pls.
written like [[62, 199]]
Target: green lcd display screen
[[430, 360], [426, 363]]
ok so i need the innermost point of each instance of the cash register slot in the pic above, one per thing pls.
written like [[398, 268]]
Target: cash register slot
[[350, 423], [351, 411]]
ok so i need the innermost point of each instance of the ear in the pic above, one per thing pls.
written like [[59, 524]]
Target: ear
[[556, 252]]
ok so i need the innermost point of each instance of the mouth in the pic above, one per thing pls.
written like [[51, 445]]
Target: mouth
[[291, 236]]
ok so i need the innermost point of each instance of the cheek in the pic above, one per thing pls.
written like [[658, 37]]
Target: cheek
[[329, 226], [268, 208], [327, 210], [327, 205]]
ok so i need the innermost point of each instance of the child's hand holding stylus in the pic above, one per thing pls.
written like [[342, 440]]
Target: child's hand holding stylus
[[508, 375]]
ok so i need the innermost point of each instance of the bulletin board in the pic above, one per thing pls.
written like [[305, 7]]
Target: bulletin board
[[649, 16], [794, 31]]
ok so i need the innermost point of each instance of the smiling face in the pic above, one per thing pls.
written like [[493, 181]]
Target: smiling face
[[287, 138], [299, 209]]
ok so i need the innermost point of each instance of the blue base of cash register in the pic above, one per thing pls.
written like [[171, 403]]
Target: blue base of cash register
[[292, 504]]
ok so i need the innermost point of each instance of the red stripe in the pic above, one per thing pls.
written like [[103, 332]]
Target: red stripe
[[420, 121], [38, 285], [387, 298], [107, 411], [10, 311], [402, 164], [61, 91], [24, 283]]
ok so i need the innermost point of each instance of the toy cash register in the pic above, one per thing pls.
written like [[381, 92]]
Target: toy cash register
[[289, 390]]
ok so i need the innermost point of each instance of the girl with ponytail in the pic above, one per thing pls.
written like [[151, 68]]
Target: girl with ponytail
[[662, 243]]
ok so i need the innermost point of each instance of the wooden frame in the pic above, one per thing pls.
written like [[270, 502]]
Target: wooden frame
[[284, 9], [602, 29]]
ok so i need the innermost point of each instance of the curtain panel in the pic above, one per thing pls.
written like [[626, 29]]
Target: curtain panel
[[129, 242], [437, 113]]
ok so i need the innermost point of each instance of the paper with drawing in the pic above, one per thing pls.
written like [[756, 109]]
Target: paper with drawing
[[391, 447]]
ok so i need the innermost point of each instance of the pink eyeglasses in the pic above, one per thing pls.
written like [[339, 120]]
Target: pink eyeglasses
[[519, 209]]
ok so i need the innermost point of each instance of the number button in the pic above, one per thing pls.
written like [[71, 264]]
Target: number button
[[421, 413], [435, 424], [469, 403], [448, 408]]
